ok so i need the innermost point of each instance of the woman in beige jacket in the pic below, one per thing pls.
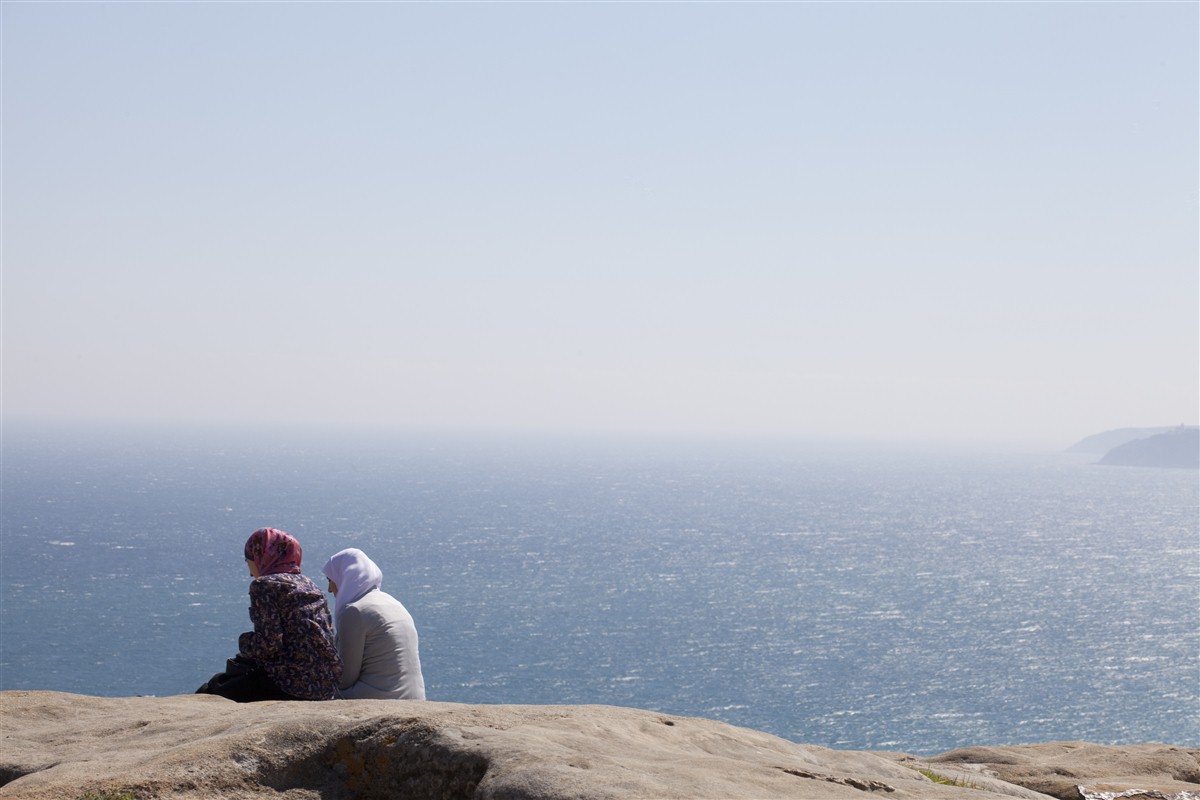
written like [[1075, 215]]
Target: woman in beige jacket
[[376, 636]]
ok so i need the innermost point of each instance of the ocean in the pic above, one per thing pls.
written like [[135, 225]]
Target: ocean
[[850, 595]]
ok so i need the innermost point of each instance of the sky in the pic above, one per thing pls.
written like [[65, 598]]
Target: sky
[[972, 221]]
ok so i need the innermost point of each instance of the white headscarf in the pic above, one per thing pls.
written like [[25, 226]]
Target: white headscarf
[[354, 574]]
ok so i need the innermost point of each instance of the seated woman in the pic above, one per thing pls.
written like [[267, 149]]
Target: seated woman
[[376, 636], [291, 653]]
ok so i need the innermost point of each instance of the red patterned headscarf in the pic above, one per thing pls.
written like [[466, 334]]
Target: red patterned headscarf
[[273, 551]]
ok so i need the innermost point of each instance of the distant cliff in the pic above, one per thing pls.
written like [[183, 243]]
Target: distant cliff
[[1101, 443], [1178, 447], [196, 747]]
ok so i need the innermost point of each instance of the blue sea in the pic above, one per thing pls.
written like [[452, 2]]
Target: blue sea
[[850, 595]]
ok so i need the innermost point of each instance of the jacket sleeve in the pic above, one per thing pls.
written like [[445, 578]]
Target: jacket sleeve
[[266, 640], [351, 641]]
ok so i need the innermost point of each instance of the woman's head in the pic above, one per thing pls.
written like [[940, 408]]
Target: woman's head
[[272, 551], [354, 575]]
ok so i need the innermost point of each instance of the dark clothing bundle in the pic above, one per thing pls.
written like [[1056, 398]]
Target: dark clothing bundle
[[243, 681]]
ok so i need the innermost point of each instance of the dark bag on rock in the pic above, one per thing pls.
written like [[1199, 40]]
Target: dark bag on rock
[[239, 666]]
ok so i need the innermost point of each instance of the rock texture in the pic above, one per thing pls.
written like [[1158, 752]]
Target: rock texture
[[1059, 768], [60, 746]]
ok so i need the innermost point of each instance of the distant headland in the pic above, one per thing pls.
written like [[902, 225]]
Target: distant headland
[[1168, 447]]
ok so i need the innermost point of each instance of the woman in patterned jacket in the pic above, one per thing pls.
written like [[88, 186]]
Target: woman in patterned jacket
[[291, 654]]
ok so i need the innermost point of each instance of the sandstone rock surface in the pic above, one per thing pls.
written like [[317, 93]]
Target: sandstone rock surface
[[1059, 768], [58, 746]]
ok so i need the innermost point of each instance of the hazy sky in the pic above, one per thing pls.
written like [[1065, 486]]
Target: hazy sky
[[973, 220]]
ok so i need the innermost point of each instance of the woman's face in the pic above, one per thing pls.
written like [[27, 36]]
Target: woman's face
[[332, 587], [253, 569]]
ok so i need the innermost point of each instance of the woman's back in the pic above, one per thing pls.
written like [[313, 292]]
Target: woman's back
[[293, 637], [378, 642]]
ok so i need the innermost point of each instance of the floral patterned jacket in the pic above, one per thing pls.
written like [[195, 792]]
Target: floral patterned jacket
[[293, 636]]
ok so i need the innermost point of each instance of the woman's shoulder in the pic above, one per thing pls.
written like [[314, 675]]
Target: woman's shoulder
[[377, 603], [283, 582]]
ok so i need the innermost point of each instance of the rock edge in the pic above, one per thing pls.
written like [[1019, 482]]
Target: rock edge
[[58, 746]]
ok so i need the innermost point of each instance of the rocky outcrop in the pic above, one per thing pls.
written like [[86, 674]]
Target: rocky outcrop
[[59, 746], [1060, 769]]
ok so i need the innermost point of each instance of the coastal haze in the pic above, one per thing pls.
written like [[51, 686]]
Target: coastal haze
[[957, 221]]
